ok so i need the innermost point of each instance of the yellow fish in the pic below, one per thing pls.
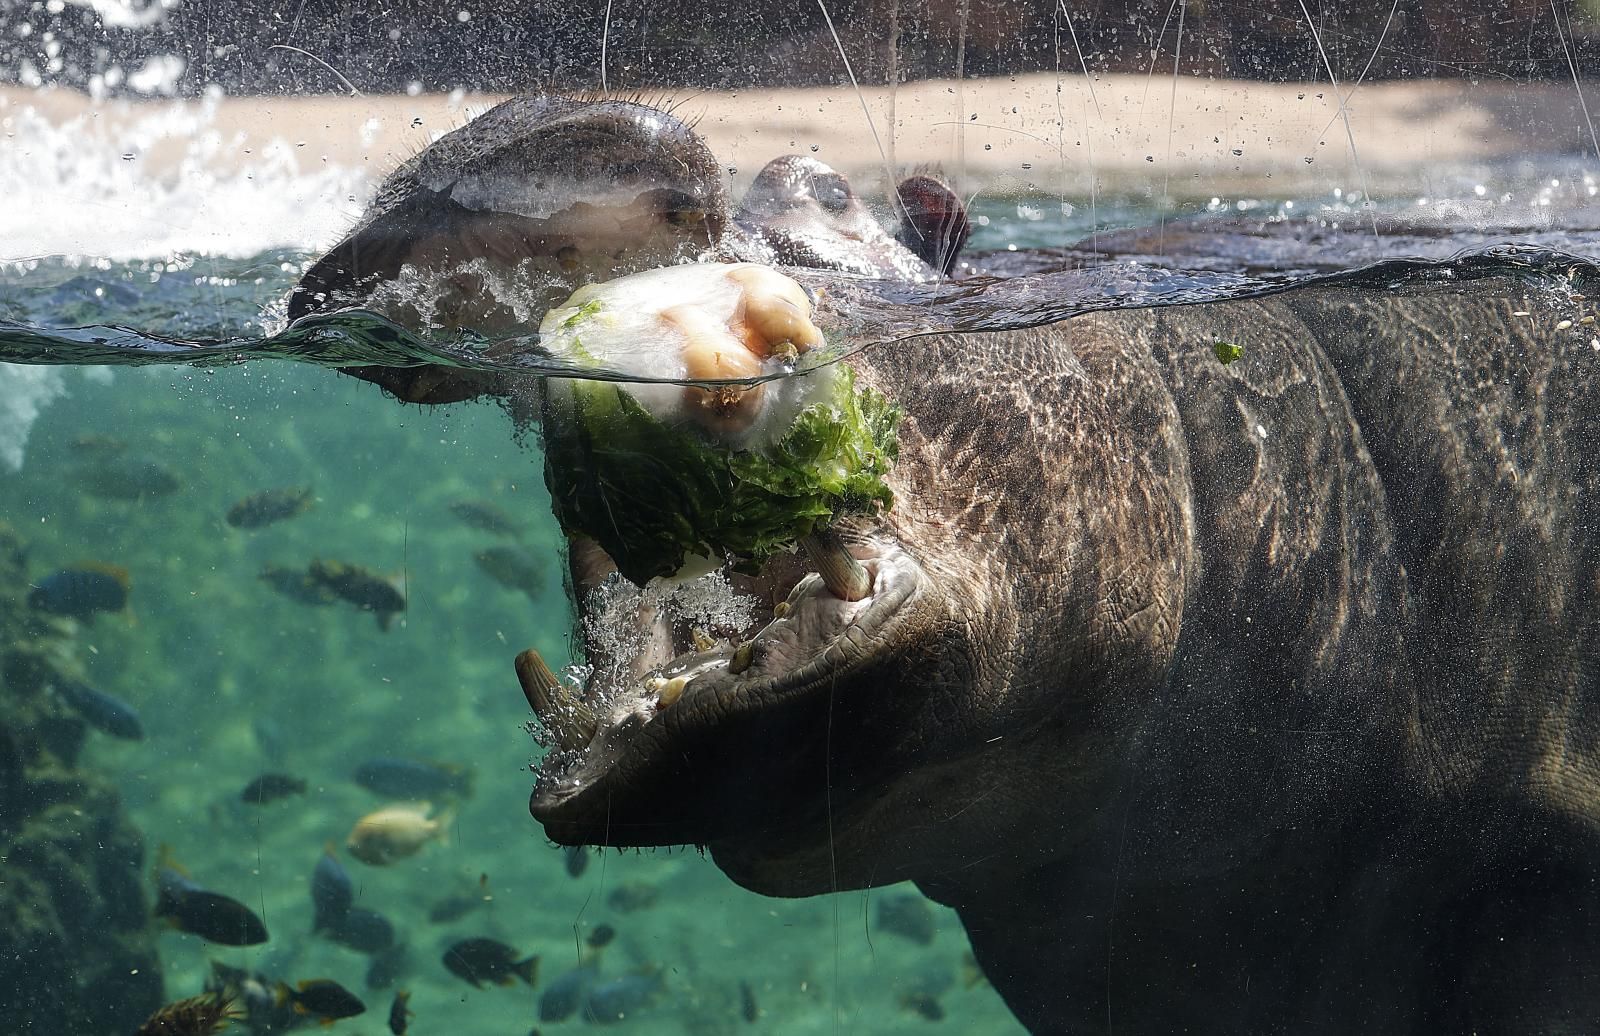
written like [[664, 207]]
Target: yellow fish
[[395, 832]]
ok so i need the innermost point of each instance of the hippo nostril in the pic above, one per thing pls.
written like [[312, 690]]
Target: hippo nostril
[[685, 217]]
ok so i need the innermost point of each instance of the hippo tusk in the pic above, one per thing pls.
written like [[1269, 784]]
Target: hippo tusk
[[841, 573], [566, 716]]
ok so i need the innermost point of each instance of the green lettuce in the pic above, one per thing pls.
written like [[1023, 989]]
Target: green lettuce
[[655, 494]]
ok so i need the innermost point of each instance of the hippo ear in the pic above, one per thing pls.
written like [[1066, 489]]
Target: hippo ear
[[935, 224]]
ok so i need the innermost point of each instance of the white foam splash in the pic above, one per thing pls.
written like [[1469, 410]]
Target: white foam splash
[[167, 180], [24, 391]]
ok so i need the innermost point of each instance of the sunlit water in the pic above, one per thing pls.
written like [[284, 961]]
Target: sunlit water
[[234, 680]]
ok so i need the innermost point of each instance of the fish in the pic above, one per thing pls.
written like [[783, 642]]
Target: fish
[[332, 892], [923, 1004], [399, 1013], [489, 960], [105, 713], [632, 895], [576, 859], [268, 506], [95, 445], [513, 568], [458, 905], [321, 998], [192, 1016], [253, 990], [413, 778], [297, 585], [363, 588], [600, 936], [188, 907], [270, 787], [749, 1010], [395, 832], [386, 966], [564, 994], [617, 999], [363, 930], [82, 591], [486, 516], [922, 989], [121, 477], [909, 916]]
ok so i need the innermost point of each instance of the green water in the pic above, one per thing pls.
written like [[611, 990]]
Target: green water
[[233, 680]]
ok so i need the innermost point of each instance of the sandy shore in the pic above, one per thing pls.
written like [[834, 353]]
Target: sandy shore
[[1124, 135]]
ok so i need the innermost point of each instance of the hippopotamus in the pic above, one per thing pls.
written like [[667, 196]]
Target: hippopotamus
[[1213, 697]]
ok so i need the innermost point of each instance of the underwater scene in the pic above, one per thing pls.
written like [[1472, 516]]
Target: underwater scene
[[950, 515]]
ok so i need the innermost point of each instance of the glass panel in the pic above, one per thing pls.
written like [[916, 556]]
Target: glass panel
[[1220, 661]]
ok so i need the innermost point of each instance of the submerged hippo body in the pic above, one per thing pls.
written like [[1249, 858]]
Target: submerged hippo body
[[1226, 698]]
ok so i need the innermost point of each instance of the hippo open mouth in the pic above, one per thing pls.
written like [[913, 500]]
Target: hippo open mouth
[[746, 712]]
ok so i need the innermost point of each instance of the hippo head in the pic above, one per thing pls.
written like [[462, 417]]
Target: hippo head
[[779, 733], [781, 737], [496, 221]]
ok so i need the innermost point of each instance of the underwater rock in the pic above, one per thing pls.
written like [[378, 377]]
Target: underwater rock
[[77, 953]]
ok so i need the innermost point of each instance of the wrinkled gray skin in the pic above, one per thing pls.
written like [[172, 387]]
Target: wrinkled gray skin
[[1247, 698]]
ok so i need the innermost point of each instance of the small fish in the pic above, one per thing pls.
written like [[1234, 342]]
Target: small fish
[[129, 478], [268, 506], [386, 966], [489, 960], [263, 1013], [358, 586], [96, 446], [332, 892], [81, 591], [564, 994], [486, 516], [513, 568], [321, 998], [100, 710], [195, 1016], [576, 859], [297, 585], [749, 1010], [212, 916], [399, 1013], [413, 779], [601, 936], [925, 1005], [633, 895], [909, 916], [395, 832], [363, 930], [458, 905], [620, 998], [922, 989], [270, 787]]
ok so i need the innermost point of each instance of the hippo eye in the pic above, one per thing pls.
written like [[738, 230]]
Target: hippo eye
[[678, 208], [832, 191]]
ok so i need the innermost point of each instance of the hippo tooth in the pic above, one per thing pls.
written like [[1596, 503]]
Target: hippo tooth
[[780, 609], [841, 573], [670, 691], [742, 657], [568, 719], [702, 640]]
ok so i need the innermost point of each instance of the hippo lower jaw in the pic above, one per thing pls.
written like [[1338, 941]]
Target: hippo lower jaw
[[745, 717]]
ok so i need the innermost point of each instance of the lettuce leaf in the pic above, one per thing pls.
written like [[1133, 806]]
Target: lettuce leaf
[[654, 494]]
